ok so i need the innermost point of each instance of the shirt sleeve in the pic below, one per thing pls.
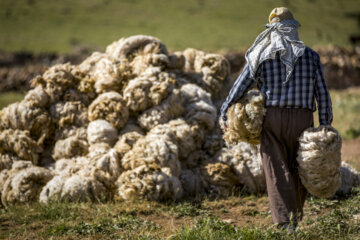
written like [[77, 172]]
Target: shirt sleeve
[[322, 96], [242, 83]]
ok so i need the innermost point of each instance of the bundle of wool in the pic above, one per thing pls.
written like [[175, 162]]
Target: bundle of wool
[[350, 178], [188, 138], [69, 114], [191, 55], [221, 179], [101, 131], [154, 148], [55, 80], [143, 61], [109, 106], [192, 182], [21, 116], [75, 95], [24, 183], [245, 160], [7, 160], [75, 188], [20, 143], [148, 182], [319, 159], [69, 131], [170, 108], [198, 106], [37, 97], [98, 149], [147, 90], [128, 47], [126, 142], [244, 119], [70, 147]]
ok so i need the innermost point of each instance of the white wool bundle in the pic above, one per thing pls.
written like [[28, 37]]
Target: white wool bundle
[[198, 106], [221, 179], [143, 61], [101, 131], [109, 106], [191, 55], [20, 143], [245, 118], [138, 44], [319, 159], [98, 149], [24, 183], [192, 182], [170, 108], [148, 182], [153, 148], [69, 114], [70, 147], [147, 90], [37, 97], [21, 116], [350, 178], [245, 160], [76, 188], [187, 137]]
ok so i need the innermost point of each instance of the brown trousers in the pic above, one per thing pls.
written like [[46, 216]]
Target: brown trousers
[[279, 144]]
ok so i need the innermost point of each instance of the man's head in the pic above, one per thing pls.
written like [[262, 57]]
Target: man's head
[[280, 14]]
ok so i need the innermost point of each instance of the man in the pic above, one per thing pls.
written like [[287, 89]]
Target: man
[[290, 76]]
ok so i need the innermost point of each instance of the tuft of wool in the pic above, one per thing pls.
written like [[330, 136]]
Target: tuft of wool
[[21, 116], [154, 148], [69, 131], [244, 119], [126, 142], [147, 90], [319, 159], [69, 114], [24, 183], [70, 147], [170, 108], [245, 160], [198, 106], [148, 182], [20, 143], [101, 131], [186, 137], [37, 97], [220, 178], [76, 188], [109, 106], [129, 47], [350, 178]]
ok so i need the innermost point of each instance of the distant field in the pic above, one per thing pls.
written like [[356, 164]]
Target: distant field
[[43, 25]]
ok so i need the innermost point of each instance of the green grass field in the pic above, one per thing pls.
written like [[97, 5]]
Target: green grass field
[[49, 25]]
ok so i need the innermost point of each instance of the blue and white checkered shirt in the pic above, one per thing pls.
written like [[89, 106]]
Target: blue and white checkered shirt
[[306, 84]]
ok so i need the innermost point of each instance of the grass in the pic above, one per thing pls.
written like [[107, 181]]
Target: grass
[[324, 219], [10, 97], [58, 26]]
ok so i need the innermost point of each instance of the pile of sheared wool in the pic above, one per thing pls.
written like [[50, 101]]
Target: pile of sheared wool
[[319, 159], [133, 122], [244, 119]]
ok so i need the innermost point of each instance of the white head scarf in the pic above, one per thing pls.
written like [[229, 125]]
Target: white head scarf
[[278, 37]]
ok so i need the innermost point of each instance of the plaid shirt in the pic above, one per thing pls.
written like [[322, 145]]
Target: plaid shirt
[[306, 84]]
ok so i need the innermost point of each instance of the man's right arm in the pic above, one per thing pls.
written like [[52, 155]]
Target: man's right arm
[[242, 83]]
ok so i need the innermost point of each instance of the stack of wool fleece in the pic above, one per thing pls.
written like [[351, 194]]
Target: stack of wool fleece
[[319, 159], [133, 122]]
